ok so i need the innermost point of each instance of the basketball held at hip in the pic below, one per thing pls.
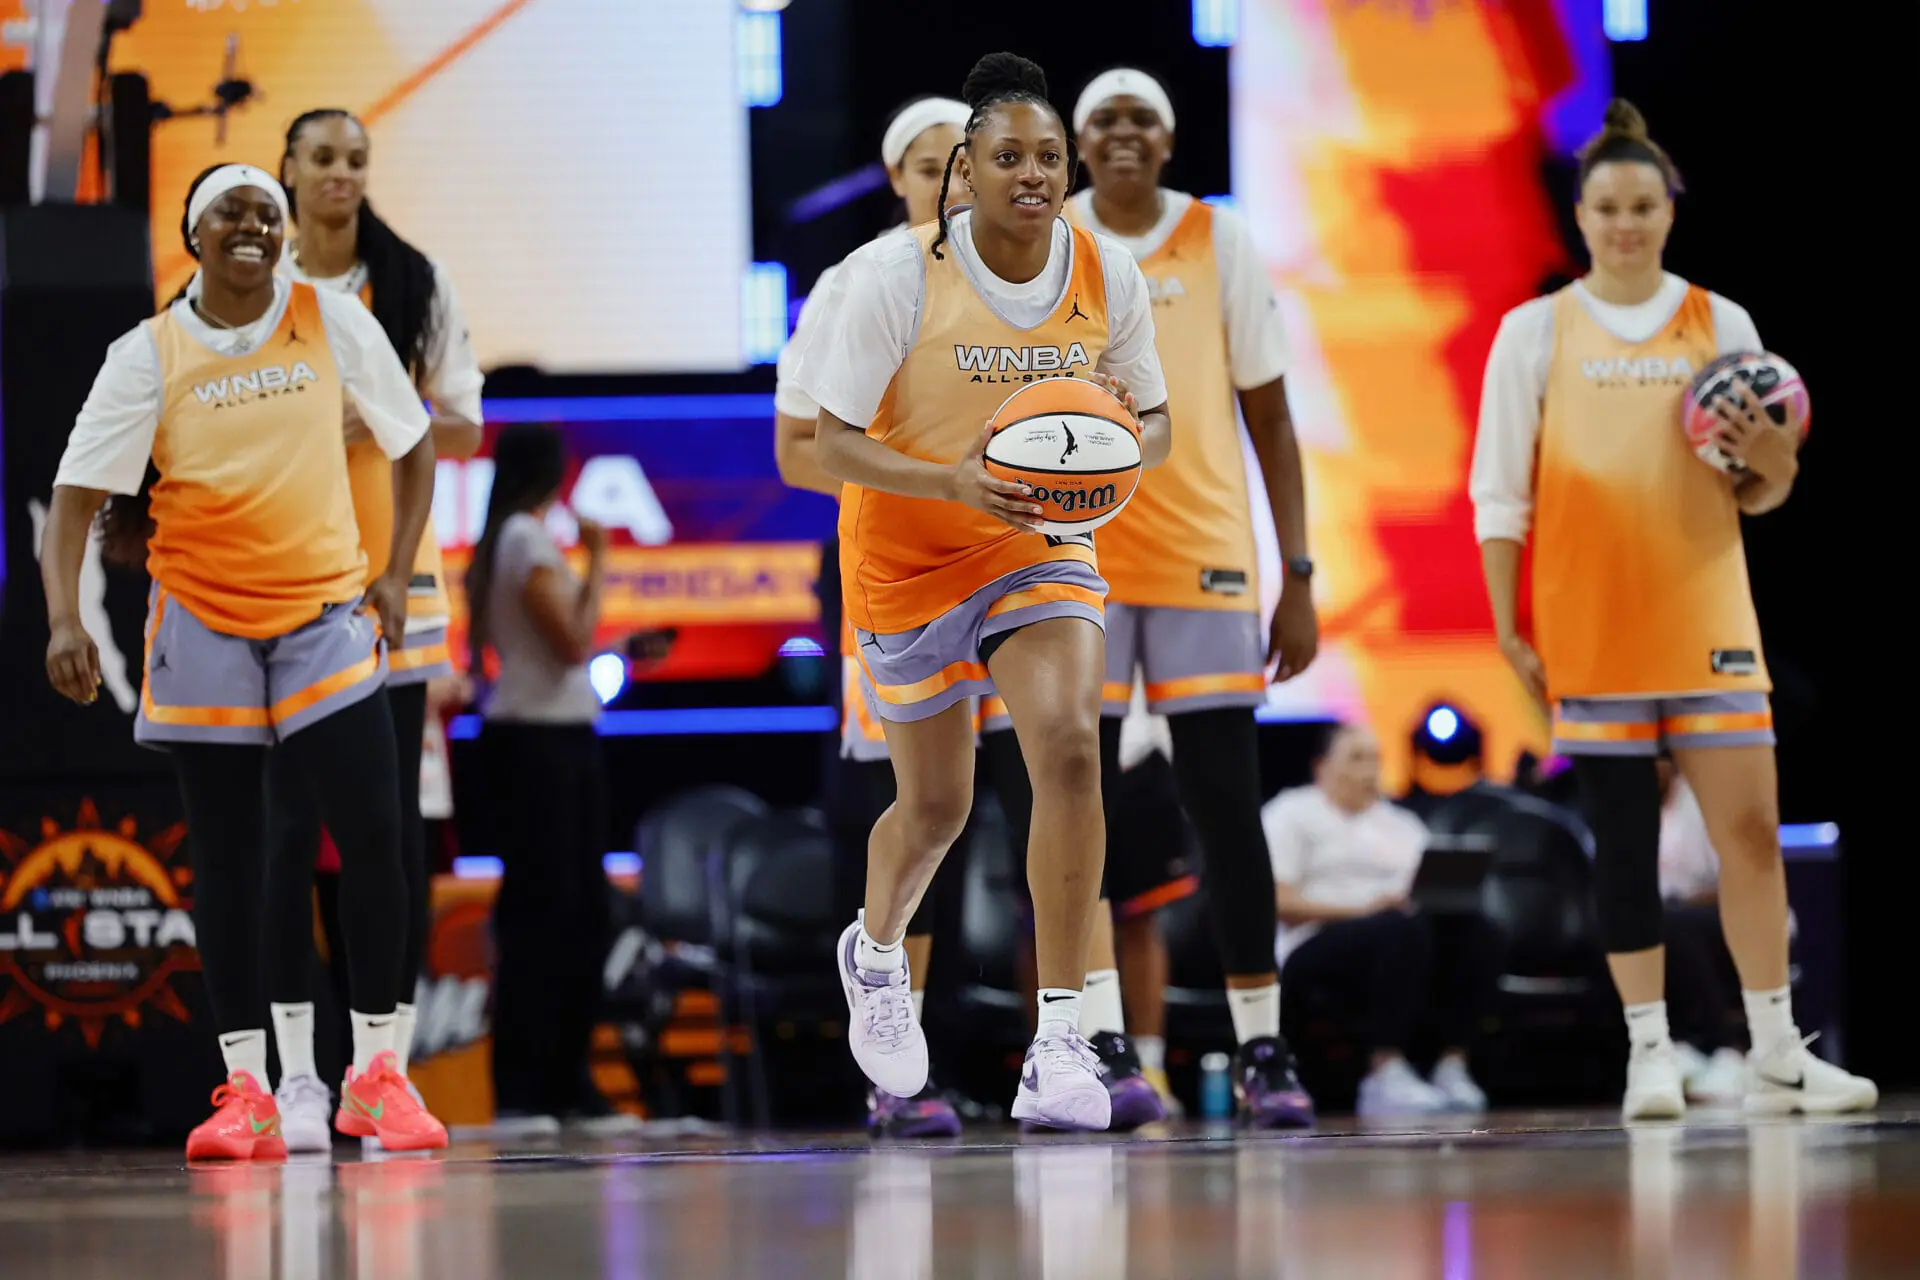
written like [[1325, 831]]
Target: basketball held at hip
[[1074, 445]]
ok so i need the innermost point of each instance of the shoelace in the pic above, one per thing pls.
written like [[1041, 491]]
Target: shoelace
[[889, 1014], [225, 1093], [1069, 1050]]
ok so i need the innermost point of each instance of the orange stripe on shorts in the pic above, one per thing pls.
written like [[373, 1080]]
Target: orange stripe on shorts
[[1045, 593], [414, 659], [992, 705], [1116, 691], [1718, 722], [294, 703], [903, 695], [206, 717], [1200, 686], [1580, 731]]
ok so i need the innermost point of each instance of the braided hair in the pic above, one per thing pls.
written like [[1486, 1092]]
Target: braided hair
[[402, 276], [995, 80]]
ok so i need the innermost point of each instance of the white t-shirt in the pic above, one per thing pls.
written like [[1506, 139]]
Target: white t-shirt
[[1342, 859], [1142, 733], [113, 436], [1688, 864], [1257, 348], [871, 314], [452, 379], [536, 686], [788, 398], [1501, 483]]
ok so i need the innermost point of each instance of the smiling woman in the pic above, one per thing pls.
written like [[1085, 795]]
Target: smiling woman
[[258, 630]]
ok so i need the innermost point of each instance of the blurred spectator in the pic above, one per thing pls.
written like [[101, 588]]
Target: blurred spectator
[[1344, 861], [1703, 988], [553, 916]]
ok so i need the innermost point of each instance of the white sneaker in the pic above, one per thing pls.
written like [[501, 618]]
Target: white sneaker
[[1464, 1096], [1693, 1064], [1654, 1090], [306, 1113], [1060, 1086], [1786, 1078], [1721, 1079], [881, 1030], [1395, 1091]]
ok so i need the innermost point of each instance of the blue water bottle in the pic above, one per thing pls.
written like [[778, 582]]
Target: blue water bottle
[[1216, 1087]]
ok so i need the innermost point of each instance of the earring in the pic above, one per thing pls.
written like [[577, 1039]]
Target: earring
[[194, 244]]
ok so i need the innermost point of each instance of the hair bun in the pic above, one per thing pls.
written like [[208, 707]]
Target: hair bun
[[998, 74], [1624, 120]]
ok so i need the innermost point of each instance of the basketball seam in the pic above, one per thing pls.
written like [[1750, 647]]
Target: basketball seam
[[1061, 413], [1066, 471]]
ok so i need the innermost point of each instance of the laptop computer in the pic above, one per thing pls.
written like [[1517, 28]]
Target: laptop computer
[[1451, 872]]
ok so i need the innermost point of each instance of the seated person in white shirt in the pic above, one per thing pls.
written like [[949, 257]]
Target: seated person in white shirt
[[1344, 860], [1703, 988]]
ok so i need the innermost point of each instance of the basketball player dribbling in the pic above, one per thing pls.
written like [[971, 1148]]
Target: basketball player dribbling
[[1183, 607], [914, 149], [1646, 634], [345, 247], [950, 589], [256, 634]]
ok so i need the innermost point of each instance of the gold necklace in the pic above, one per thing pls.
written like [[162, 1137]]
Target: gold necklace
[[209, 317]]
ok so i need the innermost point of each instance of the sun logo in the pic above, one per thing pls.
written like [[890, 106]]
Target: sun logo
[[94, 924]]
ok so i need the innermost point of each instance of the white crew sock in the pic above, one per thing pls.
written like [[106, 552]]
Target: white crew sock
[[1059, 1009], [1256, 1011], [1100, 1004], [293, 1036], [402, 1035], [1769, 1018], [246, 1051], [874, 956], [919, 1006], [372, 1036], [1647, 1025], [1152, 1051]]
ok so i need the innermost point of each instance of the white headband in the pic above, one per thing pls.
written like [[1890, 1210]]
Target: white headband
[[915, 119], [1122, 82], [227, 178]]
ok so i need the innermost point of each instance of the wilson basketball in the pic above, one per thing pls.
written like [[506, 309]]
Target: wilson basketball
[[1774, 382], [1075, 444]]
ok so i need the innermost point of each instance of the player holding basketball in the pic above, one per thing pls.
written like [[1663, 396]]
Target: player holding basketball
[[914, 149], [949, 592], [255, 634], [345, 247], [1644, 621], [1183, 601]]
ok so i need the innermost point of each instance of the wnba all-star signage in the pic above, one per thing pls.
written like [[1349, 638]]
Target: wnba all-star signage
[[95, 920]]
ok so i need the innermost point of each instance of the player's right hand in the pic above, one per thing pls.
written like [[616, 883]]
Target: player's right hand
[[1526, 664], [970, 482], [73, 662]]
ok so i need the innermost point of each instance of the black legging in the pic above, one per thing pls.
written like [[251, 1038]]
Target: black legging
[[1399, 965], [1216, 764], [293, 826], [553, 918], [346, 763]]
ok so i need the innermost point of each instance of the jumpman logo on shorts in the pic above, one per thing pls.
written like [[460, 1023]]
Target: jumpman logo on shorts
[[1076, 312], [1073, 446]]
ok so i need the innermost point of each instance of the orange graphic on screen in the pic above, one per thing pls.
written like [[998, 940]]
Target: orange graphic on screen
[[1393, 186]]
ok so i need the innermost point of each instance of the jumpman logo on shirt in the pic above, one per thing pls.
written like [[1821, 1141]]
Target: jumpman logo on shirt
[[1076, 312], [293, 335], [1073, 446]]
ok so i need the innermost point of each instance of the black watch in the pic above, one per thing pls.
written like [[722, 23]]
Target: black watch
[[1300, 567]]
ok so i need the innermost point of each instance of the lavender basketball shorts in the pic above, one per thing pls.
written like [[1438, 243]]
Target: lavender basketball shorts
[[203, 686], [1191, 659], [423, 657], [1644, 726], [922, 672]]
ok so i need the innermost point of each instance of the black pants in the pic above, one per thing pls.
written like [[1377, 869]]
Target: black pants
[[1389, 964], [1703, 987], [553, 918], [293, 843], [345, 763]]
